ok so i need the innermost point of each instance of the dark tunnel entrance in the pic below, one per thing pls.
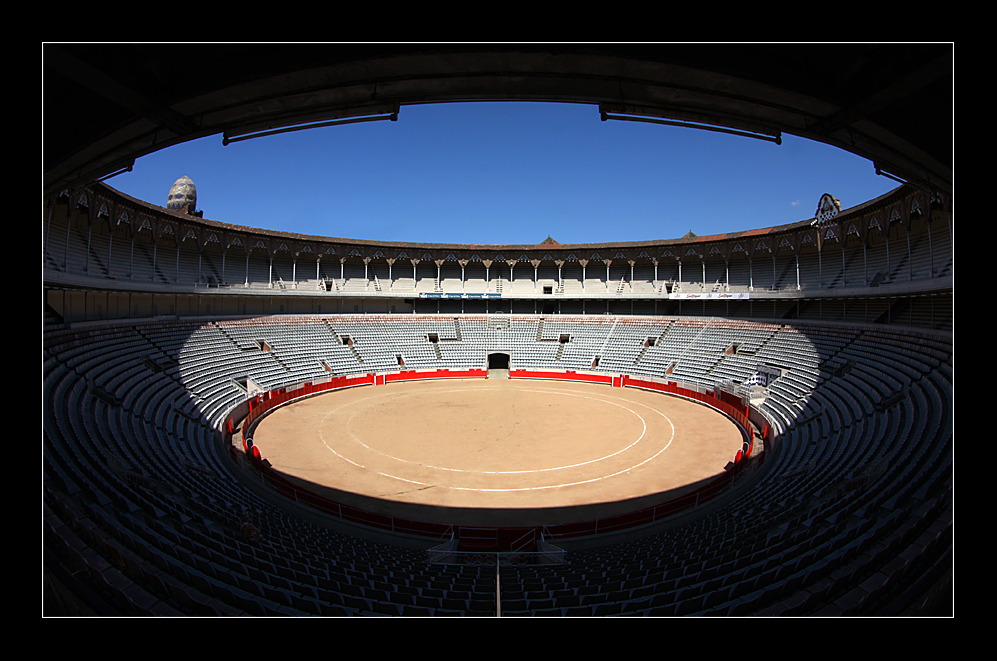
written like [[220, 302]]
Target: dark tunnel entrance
[[498, 361]]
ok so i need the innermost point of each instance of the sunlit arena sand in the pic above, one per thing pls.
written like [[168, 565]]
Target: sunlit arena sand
[[497, 451]]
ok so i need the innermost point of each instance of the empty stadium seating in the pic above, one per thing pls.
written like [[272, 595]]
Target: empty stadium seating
[[850, 516]]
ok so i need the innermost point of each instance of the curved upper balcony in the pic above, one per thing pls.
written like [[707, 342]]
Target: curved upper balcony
[[100, 238]]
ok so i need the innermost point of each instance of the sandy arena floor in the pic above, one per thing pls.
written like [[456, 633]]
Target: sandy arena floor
[[497, 452]]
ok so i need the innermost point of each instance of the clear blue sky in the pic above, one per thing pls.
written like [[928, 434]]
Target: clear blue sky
[[506, 173]]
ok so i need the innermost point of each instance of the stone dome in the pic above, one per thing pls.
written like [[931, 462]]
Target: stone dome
[[183, 193]]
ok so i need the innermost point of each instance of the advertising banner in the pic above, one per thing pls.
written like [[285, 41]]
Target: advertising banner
[[709, 295], [455, 295]]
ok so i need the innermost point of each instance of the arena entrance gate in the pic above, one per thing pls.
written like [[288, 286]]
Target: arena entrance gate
[[498, 361]]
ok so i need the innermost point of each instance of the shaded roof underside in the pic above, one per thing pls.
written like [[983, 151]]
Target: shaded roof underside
[[104, 105]]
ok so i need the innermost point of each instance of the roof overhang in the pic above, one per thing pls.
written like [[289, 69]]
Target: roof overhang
[[105, 105]]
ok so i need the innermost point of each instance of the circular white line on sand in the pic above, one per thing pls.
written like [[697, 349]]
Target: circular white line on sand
[[506, 489]]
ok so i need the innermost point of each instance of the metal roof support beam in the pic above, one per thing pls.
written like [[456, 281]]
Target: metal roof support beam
[[771, 137]]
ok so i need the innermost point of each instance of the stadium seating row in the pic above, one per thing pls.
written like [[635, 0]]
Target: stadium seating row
[[852, 513]]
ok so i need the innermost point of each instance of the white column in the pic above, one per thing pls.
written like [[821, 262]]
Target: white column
[[888, 275], [844, 275], [931, 257], [65, 250], [86, 264], [48, 225], [865, 260], [910, 262], [110, 242]]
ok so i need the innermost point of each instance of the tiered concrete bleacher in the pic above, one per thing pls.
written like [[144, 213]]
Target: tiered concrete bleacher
[[140, 499]]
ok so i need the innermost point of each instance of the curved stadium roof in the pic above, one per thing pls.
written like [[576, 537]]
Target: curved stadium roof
[[107, 104]]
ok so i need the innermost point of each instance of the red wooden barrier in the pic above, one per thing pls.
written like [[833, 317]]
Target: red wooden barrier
[[560, 376], [725, 402]]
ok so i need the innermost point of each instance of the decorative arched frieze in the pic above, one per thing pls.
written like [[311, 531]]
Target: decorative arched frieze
[[915, 210], [168, 229]]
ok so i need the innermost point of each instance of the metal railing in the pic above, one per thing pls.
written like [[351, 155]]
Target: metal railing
[[447, 553]]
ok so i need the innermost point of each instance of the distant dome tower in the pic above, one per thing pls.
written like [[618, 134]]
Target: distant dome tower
[[183, 196]]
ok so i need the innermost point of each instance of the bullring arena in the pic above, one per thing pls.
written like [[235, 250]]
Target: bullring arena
[[498, 452], [242, 421]]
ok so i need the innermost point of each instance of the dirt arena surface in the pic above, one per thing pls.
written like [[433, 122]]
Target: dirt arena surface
[[497, 452]]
